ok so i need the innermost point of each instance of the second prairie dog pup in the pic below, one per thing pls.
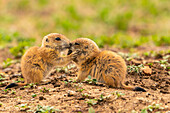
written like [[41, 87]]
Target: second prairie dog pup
[[38, 62], [106, 66]]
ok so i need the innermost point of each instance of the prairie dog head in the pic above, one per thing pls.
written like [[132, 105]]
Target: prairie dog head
[[85, 49], [56, 41]]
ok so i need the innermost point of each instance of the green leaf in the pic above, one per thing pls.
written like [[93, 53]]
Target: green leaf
[[89, 77], [144, 111]]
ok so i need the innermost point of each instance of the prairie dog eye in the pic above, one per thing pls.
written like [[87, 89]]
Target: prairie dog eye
[[58, 38], [47, 40], [77, 43], [86, 47]]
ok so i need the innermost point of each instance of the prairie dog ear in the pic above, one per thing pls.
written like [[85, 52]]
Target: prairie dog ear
[[44, 40]]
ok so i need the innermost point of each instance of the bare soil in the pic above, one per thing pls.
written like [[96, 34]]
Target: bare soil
[[64, 94]]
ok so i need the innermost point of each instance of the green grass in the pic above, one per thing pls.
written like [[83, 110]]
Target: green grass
[[4, 38], [152, 107], [122, 21], [23, 43], [124, 24], [46, 109], [136, 69], [20, 49], [6, 63]]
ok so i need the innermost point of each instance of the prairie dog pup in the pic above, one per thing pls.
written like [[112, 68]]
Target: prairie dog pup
[[106, 66], [38, 62]]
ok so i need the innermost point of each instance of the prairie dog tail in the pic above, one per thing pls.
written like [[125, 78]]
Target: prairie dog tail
[[15, 84], [132, 88]]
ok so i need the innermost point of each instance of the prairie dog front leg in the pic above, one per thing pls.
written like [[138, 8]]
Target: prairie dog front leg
[[66, 59]]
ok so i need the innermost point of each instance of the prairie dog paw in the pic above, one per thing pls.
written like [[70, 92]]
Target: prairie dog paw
[[74, 55]]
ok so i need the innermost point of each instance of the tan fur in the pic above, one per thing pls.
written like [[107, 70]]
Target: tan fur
[[38, 62], [106, 66]]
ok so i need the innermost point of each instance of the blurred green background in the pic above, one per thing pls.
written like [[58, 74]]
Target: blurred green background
[[117, 23]]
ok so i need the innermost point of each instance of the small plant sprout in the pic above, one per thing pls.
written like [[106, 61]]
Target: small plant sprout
[[31, 85], [85, 95], [6, 90], [23, 107], [44, 90], [80, 90], [128, 57], [68, 83], [34, 95], [4, 83], [134, 68], [26, 86], [152, 107], [146, 54], [13, 92], [46, 109], [92, 102], [79, 85], [90, 80], [6, 63], [144, 111], [0, 104], [20, 97], [22, 79], [118, 94], [150, 64], [164, 63], [150, 54], [95, 101], [19, 80], [74, 81], [103, 98], [65, 82]]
